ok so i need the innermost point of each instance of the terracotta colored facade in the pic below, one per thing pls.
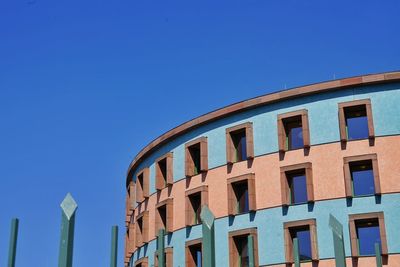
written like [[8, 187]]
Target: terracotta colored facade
[[162, 178]]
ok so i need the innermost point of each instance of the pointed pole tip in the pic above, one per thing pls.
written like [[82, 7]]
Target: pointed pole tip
[[69, 205]]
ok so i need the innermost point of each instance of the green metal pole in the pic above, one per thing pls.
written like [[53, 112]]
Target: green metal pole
[[114, 246], [250, 247], [378, 255], [161, 248], [207, 219], [13, 242], [68, 207], [296, 252], [338, 243]]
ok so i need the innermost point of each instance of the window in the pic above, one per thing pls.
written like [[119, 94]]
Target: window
[[241, 194], [196, 156], [243, 247], [142, 185], [194, 253], [130, 201], [142, 228], [164, 216], [304, 242], [195, 200], [365, 231], [164, 171], [293, 130], [143, 262], [361, 175], [131, 235], [297, 187], [168, 257], [239, 143], [129, 241], [297, 184], [306, 234], [355, 120]]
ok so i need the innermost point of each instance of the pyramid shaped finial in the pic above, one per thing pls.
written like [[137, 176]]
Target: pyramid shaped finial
[[69, 206]]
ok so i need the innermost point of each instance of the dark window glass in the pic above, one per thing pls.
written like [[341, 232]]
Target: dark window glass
[[363, 178], [162, 211], [195, 155], [239, 143], [242, 196], [294, 133], [195, 251], [140, 180], [356, 122], [297, 187], [140, 225], [243, 250], [162, 164], [367, 235], [304, 239], [195, 201]]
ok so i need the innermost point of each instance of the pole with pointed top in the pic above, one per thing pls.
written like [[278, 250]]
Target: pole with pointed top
[[161, 248], [338, 242], [13, 242], [68, 207], [114, 246], [207, 219]]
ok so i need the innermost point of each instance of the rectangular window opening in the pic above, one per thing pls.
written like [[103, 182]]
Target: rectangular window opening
[[304, 241], [241, 192], [162, 215], [194, 152], [297, 187], [196, 255], [368, 234], [140, 231], [140, 187], [294, 132], [239, 144], [195, 202], [362, 177], [162, 164], [356, 122], [242, 250]]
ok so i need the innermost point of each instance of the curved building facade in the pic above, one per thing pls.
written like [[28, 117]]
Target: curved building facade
[[272, 170]]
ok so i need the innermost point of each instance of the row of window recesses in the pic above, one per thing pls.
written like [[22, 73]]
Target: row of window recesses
[[361, 179], [300, 238], [355, 121]]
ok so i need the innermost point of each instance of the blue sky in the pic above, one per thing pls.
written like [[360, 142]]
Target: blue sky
[[84, 85]]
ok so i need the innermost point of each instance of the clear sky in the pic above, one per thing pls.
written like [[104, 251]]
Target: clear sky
[[84, 85]]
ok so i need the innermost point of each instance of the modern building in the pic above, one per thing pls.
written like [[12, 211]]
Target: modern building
[[272, 170]]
